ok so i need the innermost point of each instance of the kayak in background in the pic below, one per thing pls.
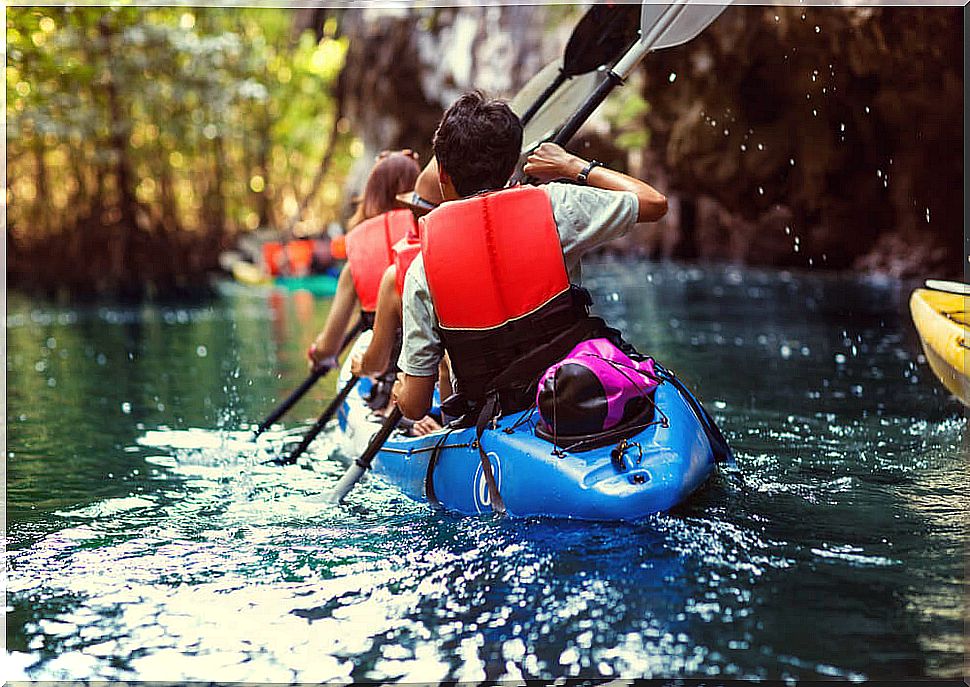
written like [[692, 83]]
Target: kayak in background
[[665, 457], [250, 274], [941, 319], [324, 285]]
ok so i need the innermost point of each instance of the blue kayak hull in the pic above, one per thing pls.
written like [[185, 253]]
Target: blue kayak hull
[[660, 467]]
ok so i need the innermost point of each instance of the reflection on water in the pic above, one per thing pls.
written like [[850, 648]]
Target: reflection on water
[[147, 541]]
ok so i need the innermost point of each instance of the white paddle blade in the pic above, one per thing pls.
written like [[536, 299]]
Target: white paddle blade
[[566, 100], [690, 21], [528, 94]]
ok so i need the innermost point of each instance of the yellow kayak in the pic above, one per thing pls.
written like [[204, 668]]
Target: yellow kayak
[[247, 273], [942, 319]]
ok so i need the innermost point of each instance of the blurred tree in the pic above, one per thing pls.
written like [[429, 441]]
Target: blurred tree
[[141, 139]]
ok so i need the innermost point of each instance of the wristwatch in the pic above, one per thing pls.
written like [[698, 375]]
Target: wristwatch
[[583, 177]]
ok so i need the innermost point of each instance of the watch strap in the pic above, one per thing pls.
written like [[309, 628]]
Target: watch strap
[[583, 177]]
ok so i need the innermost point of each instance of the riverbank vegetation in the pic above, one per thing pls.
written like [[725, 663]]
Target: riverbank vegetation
[[141, 140]]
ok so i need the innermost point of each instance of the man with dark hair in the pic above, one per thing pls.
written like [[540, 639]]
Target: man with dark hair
[[496, 284], [478, 142]]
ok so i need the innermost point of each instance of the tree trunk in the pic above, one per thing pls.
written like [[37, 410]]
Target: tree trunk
[[118, 127]]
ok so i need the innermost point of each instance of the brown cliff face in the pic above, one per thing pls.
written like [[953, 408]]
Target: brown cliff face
[[829, 137]]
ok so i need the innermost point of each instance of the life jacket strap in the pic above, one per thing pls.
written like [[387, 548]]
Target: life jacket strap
[[490, 410]]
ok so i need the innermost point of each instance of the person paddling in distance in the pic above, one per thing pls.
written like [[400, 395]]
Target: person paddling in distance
[[377, 224], [497, 282]]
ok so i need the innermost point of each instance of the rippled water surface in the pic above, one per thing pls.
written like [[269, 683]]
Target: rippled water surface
[[146, 541]]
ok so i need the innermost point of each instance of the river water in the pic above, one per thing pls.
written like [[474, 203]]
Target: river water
[[145, 540]]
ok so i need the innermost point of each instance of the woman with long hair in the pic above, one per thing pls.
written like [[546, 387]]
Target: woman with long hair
[[394, 173]]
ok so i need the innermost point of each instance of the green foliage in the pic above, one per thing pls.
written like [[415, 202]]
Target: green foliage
[[207, 121], [626, 113]]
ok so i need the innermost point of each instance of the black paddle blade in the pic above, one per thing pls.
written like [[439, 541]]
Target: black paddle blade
[[601, 36]]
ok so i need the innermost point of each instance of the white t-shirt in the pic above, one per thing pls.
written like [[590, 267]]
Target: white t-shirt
[[585, 217]]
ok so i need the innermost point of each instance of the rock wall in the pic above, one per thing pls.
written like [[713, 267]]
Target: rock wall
[[827, 137], [404, 67]]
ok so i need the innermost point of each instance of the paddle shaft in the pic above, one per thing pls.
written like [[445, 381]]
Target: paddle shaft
[[599, 37], [618, 74], [290, 400], [321, 422], [363, 463], [305, 386]]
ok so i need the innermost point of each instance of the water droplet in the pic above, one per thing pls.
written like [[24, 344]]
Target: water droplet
[[879, 173], [761, 146], [788, 231], [791, 161], [867, 109], [761, 191], [840, 359], [818, 29], [51, 342], [743, 147], [672, 77], [126, 408], [785, 351], [927, 215], [815, 113], [40, 365], [842, 126], [202, 351]]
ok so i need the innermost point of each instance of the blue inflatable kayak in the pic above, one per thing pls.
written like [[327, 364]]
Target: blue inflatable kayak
[[649, 472]]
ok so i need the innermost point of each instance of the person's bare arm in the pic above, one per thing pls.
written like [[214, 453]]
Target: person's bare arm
[[413, 395], [549, 162], [388, 320], [445, 387], [327, 344]]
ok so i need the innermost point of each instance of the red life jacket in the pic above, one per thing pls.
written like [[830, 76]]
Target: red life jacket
[[369, 252], [405, 251], [501, 292]]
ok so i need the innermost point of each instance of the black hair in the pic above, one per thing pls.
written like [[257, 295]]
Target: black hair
[[478, 143]]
